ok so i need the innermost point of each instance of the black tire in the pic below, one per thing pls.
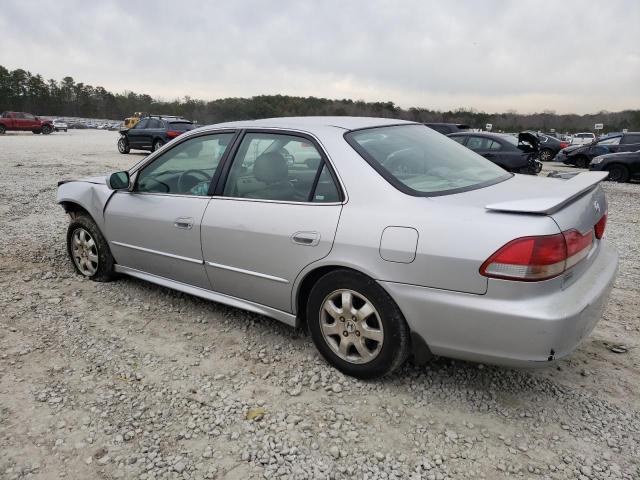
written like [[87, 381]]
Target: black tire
[[36, 132], [582, 162], [46, 129], [618, 173], [65, 130], [105, 270], [3, 129], [396, 341], [123, 145], [546, 155], [157, 144]]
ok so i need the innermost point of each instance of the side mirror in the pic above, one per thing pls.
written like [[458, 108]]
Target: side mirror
[[119, 181]]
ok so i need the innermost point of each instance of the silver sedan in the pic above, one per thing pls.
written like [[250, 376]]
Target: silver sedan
[[383, 238]]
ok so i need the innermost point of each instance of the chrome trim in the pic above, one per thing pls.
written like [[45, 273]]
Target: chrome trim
[[285, 202], [156, 252], [248, 272], [284, 317]]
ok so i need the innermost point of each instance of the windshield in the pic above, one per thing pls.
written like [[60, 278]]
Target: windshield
[[422, 162]]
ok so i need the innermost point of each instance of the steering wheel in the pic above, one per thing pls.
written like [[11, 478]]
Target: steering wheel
[[181, 179]]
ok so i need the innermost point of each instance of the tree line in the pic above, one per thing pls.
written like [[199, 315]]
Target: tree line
[[20, 90]]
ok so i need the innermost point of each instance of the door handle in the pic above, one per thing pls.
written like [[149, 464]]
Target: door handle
[[185, 223], [310, 239]]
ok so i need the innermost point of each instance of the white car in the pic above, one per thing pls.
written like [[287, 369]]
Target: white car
[[582, 138], [60, 125]]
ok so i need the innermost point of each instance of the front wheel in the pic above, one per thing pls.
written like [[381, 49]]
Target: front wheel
[[618, 173], [88, 250], [356, 325], [46, 130], [123, 145]]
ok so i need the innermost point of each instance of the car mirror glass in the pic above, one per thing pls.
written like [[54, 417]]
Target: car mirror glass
[[119, 181]]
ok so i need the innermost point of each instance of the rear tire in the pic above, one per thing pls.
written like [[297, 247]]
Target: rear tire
[[356, 325], [3, 129], [582, 162], [88, 250], [618, 173], [157, 145], [123, 145]]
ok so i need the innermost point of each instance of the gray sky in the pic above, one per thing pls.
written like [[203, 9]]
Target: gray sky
[[492, 55]]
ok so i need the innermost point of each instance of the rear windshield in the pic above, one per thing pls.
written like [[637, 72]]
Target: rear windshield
[[422, 162], [181, 126]]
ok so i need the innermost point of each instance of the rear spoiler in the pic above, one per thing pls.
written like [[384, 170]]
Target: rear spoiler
[[554, 197]]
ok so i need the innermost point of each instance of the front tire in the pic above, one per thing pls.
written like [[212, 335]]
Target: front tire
[[123, 145], [46, 130], [582, 162], [546, 155], [356, 325], [88, 250], [618, 173]]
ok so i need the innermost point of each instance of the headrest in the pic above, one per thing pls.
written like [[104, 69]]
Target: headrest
[[270, 167]]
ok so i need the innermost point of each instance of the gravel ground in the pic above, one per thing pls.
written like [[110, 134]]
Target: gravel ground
[[131, 380]]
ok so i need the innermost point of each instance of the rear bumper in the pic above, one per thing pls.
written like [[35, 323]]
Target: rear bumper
[[511, 330]]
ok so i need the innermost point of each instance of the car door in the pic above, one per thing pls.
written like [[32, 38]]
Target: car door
[[155, 227], [136, 135], [276, 212]]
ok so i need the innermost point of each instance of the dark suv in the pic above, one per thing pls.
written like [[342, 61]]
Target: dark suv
[[152, 132]]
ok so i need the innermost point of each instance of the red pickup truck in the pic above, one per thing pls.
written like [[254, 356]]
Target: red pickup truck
[[21, 121]]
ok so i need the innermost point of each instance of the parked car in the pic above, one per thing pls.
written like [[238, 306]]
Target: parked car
[[60, 125], [517, 154], [581, 156], [22, 121], [582, 138], [151, 133], [549, 147], [457, 258], [447, 128], [622, 166]]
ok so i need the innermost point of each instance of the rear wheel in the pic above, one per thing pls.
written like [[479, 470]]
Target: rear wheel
[[618, 173], [356, 325], [123, 145], [46, 129], [582, 162], [546, 155], [3, 129], [88, 250], [157, 145]]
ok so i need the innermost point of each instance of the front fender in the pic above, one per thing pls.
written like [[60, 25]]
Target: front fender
[[93, 197]]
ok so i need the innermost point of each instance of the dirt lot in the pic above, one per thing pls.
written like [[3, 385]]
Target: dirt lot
[[130, 380]]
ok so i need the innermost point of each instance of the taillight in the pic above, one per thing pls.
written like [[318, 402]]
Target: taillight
[[538, 258], [564, 144], [600, 226], [173, 133]]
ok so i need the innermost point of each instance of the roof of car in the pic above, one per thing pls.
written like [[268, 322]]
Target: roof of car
[[308, 123]]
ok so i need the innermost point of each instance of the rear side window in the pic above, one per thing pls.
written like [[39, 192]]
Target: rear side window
[[632, 138], [280, 167], [181, 126], [421, 162], [154, 123]]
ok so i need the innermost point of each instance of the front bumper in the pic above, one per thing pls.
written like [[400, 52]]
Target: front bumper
[[506, 326]]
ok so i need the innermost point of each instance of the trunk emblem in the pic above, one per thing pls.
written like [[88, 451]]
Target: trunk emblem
[[596, 206]]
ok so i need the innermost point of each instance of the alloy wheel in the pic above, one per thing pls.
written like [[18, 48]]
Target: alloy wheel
[[84, 252], [351, 326]]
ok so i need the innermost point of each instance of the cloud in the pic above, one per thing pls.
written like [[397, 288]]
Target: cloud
[[569, 56]]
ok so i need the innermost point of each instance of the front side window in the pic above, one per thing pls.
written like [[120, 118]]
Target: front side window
[[279, 167], [186, 169], [142, 124], [419, 161]]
